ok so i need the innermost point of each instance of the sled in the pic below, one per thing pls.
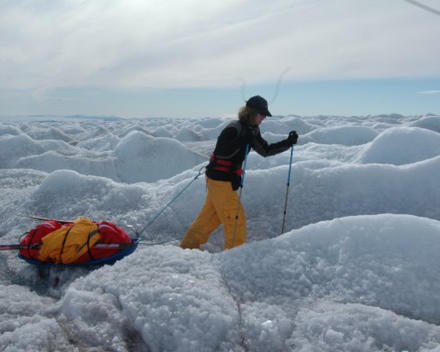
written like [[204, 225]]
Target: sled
[[80, 242], [110, 260]]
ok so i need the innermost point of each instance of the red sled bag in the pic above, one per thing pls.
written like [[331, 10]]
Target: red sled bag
[[110, 234], [32, 241]]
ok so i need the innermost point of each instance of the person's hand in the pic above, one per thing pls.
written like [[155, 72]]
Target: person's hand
[[292, 138]]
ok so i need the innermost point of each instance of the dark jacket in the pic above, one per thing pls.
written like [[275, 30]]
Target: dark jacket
[[230, 151]]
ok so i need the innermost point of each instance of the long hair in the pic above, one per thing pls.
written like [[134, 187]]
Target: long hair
[[247, 115]]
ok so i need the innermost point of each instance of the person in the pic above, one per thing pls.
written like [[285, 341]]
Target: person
[[224, 173]]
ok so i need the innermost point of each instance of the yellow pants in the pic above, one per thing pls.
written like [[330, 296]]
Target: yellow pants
[[220, 208]]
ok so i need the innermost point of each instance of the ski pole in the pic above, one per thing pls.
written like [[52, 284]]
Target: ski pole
[[287, 190], [239, 194], [172, 200]]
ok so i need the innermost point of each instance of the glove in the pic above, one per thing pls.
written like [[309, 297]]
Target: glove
[[292, 138], [248, 136], [235, 181]]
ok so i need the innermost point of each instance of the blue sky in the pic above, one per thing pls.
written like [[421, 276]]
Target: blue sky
[[193, 58]]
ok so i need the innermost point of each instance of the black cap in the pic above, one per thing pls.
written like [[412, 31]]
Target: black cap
[[260, 104]]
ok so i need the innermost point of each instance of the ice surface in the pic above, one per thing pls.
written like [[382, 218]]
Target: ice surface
[[356, 269]]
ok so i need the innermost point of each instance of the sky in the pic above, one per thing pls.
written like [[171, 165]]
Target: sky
[[355, 269], [195, 58]]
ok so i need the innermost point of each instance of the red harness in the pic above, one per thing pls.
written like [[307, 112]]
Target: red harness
[[224, 165]]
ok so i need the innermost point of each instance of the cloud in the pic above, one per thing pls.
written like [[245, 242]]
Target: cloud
[[430, 92], [195, 43]]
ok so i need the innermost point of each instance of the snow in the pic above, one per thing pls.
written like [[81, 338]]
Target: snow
[[356, 269]]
